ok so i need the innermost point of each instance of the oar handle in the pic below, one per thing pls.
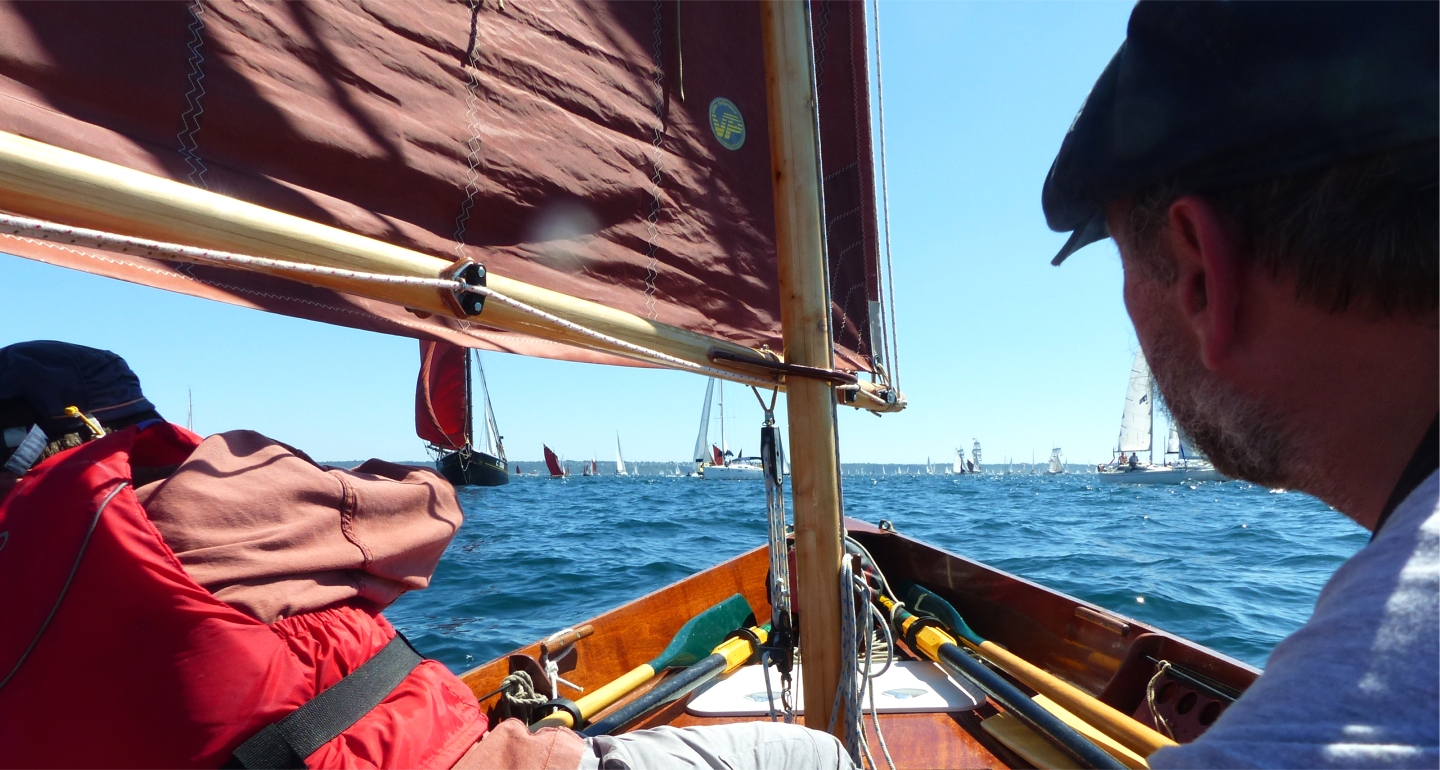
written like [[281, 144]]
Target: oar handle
[[594, 702], [941, 648], [676, 686], [730, 655], [1114, 723], [1104, 717]]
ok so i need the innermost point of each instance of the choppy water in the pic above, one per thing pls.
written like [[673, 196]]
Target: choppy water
[[1228, 565]]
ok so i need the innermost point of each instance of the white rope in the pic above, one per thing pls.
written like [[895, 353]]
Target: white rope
[[50, 231], [892, 338]]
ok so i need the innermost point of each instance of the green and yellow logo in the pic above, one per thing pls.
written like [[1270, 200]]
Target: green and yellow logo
[[726, 123]]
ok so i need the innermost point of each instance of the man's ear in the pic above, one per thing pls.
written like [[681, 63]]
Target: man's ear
[[1207, 260]]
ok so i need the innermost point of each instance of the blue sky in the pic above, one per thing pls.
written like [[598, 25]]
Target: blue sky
[[995, 343]]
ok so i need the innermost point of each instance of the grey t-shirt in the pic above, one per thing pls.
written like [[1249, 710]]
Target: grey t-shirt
[[1356, 686]]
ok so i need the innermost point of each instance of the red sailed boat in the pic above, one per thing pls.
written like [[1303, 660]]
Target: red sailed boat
[[552, 462], [444, 417]]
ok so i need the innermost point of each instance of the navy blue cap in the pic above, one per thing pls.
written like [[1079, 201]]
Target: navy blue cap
[[49, 376], [1214, 94]]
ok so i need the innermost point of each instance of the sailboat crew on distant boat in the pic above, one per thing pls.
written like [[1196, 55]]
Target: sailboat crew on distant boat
[[1137, 434]]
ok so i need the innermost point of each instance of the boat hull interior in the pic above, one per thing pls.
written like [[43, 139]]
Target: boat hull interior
[[1111, 657]]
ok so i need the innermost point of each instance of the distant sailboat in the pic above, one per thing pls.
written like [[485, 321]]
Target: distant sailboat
[[958, 467], [1137, 434], [444, 417], [619, 459], [552, 462], [1057, 461], [720, 464], [975, 458]]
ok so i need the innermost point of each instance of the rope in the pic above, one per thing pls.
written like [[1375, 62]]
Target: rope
[[1160, 670], [50, 231], [845, 689], [894, 343], [519, 690]]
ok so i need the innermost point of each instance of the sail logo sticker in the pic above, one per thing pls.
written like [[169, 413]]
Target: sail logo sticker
[[726, 123]]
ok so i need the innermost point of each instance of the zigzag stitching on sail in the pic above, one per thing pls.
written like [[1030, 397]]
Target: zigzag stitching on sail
[[839, 171], [472, 156], [190, 120], [657, 175]]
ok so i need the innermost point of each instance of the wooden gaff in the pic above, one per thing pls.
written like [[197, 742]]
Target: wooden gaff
[[805, 324]]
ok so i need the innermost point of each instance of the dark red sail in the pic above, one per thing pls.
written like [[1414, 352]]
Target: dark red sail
[[613, 151], [442, 405], [553, 463]]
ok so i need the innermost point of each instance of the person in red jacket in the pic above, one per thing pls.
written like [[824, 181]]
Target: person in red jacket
[[233, 590]]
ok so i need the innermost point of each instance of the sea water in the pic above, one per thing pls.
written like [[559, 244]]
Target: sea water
[[1229, 565]]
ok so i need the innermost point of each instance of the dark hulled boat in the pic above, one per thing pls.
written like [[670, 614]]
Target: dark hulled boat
[[473, 467], [444, 417]]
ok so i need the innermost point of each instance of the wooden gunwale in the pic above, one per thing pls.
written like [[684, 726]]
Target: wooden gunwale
[[1097, 650]]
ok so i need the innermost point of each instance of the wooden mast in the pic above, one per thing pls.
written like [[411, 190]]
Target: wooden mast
[[805, 321]]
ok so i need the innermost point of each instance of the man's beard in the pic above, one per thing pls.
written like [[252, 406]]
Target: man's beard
[[1242, 438]]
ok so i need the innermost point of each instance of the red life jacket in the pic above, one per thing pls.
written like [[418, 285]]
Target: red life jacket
[[140, 666]]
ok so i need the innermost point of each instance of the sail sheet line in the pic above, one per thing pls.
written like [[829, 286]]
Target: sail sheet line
[[887, 310]]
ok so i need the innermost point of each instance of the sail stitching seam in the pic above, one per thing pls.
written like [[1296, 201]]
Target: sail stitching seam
[[472, 145], [190, 119], [657, 172]]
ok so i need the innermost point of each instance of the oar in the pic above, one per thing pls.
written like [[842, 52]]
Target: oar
[[924, 635], [730, 655], [1124, 729], [692, 642]]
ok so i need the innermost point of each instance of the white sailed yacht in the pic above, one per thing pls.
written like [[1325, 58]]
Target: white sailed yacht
[[717, 463], [619, 459], [1057, 461], [1137, 434]]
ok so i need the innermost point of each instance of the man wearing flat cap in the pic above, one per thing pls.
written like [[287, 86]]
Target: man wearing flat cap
[[1269, 172]]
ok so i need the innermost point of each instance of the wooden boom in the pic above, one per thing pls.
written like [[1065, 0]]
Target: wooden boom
[[46, 182]]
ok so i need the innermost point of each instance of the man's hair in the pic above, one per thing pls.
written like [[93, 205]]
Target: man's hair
[[1358, 232]]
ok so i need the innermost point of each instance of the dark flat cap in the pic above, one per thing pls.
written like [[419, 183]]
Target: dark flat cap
[[48, 376], [1230, 92]]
